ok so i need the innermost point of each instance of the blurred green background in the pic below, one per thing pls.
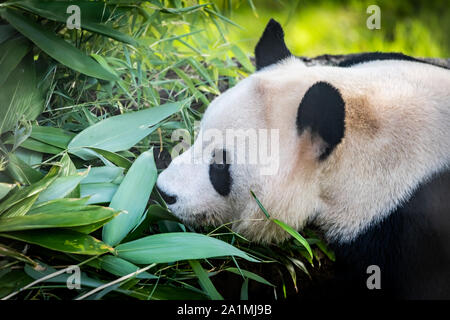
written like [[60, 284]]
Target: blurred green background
[[419, 28]]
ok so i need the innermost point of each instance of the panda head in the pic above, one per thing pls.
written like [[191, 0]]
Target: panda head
[[306, 141]]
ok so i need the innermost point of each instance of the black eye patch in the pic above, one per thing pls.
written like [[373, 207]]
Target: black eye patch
[[219, 173]]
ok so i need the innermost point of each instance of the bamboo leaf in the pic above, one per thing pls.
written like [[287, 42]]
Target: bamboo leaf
[[22, 172], [284, 226], [121, 267], [20, 194], [295, 234], [56, 47], [132, 196], [249, 275], [61, 187], [10, 252], [242, 58], [121, 132], [61, 240], [39, 146], [29, 157], [115, 158], [98, 192], [204, 280], [21, 208], [59, 205], [52, 136], [5, 188], [11, 53], [56, 10], [102, 174], [20, 98], [61, 219], [175, 246]]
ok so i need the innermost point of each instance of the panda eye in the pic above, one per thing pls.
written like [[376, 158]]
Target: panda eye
[[219, 173], [218, 166], [219, 159]]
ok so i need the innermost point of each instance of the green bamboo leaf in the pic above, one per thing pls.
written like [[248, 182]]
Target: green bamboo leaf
[[61, 187], [185, 9], [104, 64], [121, 267], [57, 48], [260, 205], [21, 208], [321, 244], [12, 280], [59, 205], [102, 174], [156, 213], [56, 10], [197, 94], [61, 240], [295, 234], [46, 270], [242, 58], [5, 188], [175, 246], [53, 136], [20, 194], [204, 280], [113, 157], [284, 226], [250, 275], [20, 98], [244, 290], [123, 131], [68, 169], [21, 171], [65, 205], [10, 252], [138, 183], [98, 192], [204, 73], [153, 214], [39, 146], [62, 219], [31, 158], [6, 32], [87, 229], [11, 53], [223, 18]]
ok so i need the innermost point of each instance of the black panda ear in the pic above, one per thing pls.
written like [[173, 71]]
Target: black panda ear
[[322, 111], [271, 47]]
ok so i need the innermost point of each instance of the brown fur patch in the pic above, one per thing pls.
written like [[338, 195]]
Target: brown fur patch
[[327, 196], [360, 116], [306, 159]]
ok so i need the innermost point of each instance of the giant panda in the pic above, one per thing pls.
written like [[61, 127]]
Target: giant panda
[[364, 155]]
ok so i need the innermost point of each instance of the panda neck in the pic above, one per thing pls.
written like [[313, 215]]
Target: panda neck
[[410, 245]]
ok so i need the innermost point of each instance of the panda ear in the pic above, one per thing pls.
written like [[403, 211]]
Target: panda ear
[[271, 47], [322, 111]]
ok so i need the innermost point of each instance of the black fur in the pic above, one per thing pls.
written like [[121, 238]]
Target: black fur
[[271, 47], [411, 246], [374, 56], [322, 110], [167, 198], [219, 175]]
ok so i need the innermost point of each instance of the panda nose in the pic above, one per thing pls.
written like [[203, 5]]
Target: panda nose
[[167, 198]]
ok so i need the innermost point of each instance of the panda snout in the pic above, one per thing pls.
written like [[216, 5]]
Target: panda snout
[[169, 199]]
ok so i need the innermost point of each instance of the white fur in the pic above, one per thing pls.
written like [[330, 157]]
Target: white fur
[[399, 137]]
